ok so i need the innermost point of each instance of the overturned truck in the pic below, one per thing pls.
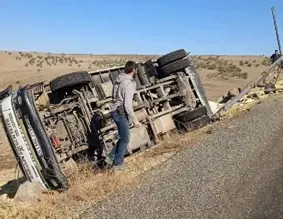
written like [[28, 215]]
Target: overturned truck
[[50, 123]]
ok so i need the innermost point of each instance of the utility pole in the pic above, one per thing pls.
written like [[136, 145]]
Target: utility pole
[[276, 29]]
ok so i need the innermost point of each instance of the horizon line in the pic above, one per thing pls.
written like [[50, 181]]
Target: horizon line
[[121, 54]]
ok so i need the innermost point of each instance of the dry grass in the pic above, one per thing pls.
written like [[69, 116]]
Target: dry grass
[[225, 68], [247, 103], [237, 111]]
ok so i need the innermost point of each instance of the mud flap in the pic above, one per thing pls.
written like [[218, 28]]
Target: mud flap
[[198, 123], [191, 115], [194, 124]]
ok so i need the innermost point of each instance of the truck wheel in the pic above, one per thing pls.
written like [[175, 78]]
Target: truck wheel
[[71, 79], [142, 75], [196, 81], [175, 67], [171, 57], [191, 115], [150, 71], [138, 82]]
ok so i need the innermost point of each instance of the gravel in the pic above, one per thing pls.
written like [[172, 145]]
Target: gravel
[[235, 172]]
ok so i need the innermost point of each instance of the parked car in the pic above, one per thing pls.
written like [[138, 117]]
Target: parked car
[[51, 123]]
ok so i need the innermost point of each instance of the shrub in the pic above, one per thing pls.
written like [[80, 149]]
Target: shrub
[[212, 66], [244, 75], [266, 62]]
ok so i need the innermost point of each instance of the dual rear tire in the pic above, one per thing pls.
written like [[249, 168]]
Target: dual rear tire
[[173, 62]]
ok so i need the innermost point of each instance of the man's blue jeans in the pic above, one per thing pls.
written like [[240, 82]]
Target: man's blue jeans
[[118, 152]]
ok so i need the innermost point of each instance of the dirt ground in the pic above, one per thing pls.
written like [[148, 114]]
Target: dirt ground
[[18, 68]]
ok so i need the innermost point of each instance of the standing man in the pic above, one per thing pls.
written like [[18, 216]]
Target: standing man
[[123, 114], [274, 56]]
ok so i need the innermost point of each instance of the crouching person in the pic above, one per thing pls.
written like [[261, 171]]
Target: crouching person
[[123, 114]]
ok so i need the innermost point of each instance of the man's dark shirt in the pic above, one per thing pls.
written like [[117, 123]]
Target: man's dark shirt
[[274, 57]]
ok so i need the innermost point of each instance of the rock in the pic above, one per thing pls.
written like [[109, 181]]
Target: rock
[[253, 96], [208, 132], [249, 101], [233, 92], [220, 99], [29, 192], [4, 197]]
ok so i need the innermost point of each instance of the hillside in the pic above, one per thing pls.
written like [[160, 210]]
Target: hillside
[[218, 73]]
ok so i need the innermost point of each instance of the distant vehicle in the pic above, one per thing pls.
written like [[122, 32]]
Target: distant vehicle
[[52, 123]]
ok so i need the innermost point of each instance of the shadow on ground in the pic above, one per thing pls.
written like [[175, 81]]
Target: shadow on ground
[[11, 187]]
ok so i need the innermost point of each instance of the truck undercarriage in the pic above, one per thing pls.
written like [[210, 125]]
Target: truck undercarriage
[[49, 123]]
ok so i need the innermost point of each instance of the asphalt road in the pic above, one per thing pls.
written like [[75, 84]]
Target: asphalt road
[[235, 172]]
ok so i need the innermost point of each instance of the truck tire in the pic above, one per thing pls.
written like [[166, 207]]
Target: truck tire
[[150, 71], [192, 115], [138, 83], [171, 57], [196, 81], [142, 75], [175, 67], [71, 79]]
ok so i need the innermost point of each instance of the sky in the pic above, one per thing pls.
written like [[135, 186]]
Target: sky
[[222, 27]]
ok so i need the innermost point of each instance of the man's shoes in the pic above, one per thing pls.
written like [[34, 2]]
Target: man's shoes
[[118, 168], [107, 164], [108, 161]]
